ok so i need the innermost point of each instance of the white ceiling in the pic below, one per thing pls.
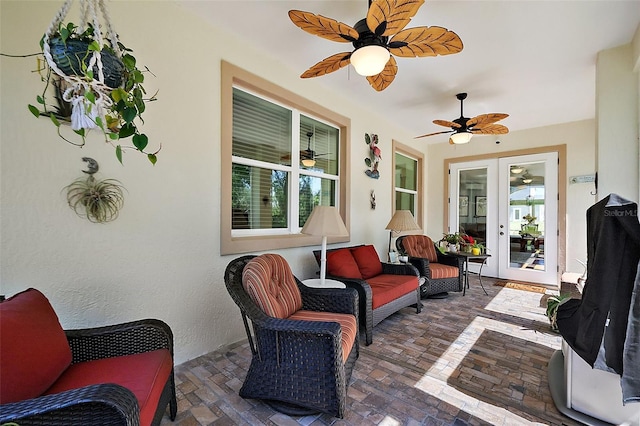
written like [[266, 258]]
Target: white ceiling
[[535, 60]]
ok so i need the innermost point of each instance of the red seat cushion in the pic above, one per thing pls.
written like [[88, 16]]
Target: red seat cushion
[[340, 263], [368, 261], [438, 270], [388, 287], [420, 246], [143, 374], [347, 323], [270, 283], [33, 346]]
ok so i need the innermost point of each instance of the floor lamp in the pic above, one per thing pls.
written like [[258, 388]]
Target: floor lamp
[[325, 221], [401, 221]]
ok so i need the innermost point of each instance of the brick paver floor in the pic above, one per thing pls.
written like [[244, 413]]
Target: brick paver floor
[[465, 360]]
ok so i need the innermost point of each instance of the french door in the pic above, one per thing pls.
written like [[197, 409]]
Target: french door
[[510, 204]]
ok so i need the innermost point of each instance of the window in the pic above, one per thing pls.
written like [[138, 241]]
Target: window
[[407, 180], [281, 156]]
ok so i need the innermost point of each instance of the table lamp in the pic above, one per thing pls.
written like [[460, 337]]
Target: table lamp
[[401, 221], [325, 221]]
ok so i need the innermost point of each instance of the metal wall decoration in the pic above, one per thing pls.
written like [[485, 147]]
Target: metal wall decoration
[[374, 155]]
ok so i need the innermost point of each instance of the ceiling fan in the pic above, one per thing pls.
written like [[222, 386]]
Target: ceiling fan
[[372, 56], [464, 128], [307, 156]]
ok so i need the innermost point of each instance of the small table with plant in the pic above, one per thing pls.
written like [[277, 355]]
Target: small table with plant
[[481, 258]]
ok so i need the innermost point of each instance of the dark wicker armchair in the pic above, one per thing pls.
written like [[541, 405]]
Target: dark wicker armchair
[[106, 403], [298, 366], [441, 273]]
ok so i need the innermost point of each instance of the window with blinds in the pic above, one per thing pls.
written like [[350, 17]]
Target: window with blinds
[[284, 163]]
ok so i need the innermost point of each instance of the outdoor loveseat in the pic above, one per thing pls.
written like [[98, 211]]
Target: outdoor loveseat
[[116, 375]]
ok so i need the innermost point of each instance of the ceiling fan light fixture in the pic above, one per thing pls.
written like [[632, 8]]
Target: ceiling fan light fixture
[[308, 162], [370, 60], [527, 181], [516, 170], [461, 137]]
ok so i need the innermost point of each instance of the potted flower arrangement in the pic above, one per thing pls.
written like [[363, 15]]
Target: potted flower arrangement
[[477, 248], [97, 85], [452, 240]]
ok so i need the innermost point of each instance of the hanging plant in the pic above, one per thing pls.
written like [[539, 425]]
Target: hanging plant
[[374, 156], [95, 79], [99, 201]]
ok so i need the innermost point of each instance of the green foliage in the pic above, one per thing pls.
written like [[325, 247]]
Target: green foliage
[[553, 303], [99, 201], [129, 100]]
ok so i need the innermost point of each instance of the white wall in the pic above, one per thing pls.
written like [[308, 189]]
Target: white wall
[[161, 257], [579, 137], [617, 123]]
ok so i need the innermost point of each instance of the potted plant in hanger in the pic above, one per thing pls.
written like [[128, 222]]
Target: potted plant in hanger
[[96, 83]]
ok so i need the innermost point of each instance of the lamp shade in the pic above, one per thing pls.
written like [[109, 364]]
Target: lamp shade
[[308, 162], [370, 60], [325, 221], [402, 220], [461, 137]]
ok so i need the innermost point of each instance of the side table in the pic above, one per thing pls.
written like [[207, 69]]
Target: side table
[[467, 257], [317, 282]]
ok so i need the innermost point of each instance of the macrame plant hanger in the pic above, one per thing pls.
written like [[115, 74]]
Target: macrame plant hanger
[[84, 111]]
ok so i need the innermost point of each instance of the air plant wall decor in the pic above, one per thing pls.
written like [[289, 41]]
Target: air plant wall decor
[[374, 155], [99, 201]]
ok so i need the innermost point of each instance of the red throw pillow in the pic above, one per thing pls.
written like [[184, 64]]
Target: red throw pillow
[[368, 261], [341, 263], [33, 350]]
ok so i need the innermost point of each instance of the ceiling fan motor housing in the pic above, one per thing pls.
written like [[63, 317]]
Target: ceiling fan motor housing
[[367, 37]]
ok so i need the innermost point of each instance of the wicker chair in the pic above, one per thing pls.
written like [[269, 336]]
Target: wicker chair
[[298, 367], [104, 403], [441, 273]]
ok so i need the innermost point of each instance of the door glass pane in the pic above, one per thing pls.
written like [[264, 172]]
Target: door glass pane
[[526, 216], [472, 203]]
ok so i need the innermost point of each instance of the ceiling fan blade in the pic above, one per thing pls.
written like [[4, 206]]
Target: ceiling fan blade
[[432, 134], [328, 65], [485, 119], [385, 78], [387, 17], [323, 27], [446, 123], [492, 129], [425, 41]]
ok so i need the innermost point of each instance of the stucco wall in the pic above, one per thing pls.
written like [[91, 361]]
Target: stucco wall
[[161, 257]]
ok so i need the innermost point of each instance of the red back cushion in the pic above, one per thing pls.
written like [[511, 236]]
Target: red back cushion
[[420, 246], [341, 263], [368, 261], [270, 283], [33, 349]]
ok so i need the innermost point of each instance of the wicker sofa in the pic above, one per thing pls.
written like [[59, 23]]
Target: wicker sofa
[[383, 288], [116, 375], [304, 341]]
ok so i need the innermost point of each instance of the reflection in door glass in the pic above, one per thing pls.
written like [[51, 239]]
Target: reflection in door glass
[[526, 216], [472, 203]]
